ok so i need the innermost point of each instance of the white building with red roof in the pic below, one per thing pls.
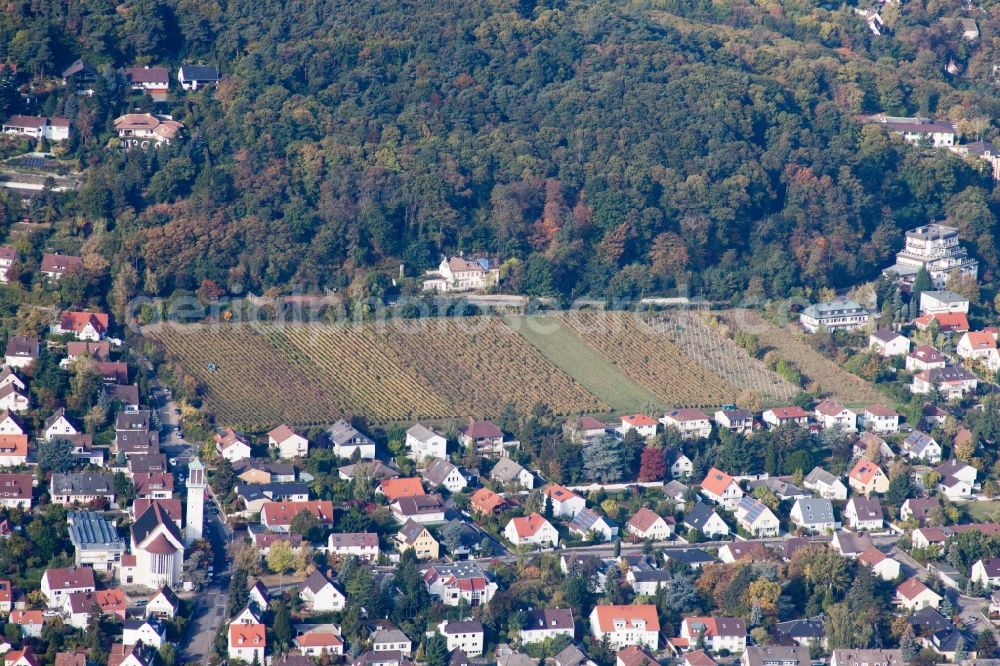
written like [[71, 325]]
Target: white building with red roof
[[913, 594], [692, 423], [531, 530], [889, 343], [278, 516], [722, 489], [87, 326], [977, 345], [622, 625], [647, 524], [247, 642], [287, 442], [57, 584], [832, 414], [925, 357], [565, 503], [779, 416], [879, 418], [645, 426], [881, 564], [715, 633], [460, 582], [484, 436], [866, 478]]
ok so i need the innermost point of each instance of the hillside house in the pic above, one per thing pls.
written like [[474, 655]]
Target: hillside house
[[779, 416], [691, 423], [977, 345], [424, 509], [363, 545], [320, 595], [925, 357], [458, 274], [548, 623], [921, 446], [287, 442], [465, 635], [36, 127], [734, 420], [145, 130], [918, 131], [85, 326], [879, 418], [231, 446], [423, 443], [645, 426], [845, 315], [939, 302], [416, 537], [889, 343], [487, 439], [946, 322], [193, 77], [442, 474], [21, 351], [952, 382], [681, 467], [8, 257], [507, 472], [831, 414]]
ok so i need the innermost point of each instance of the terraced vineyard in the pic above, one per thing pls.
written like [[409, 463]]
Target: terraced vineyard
[[827, 375], [652, 359], [717, 353]]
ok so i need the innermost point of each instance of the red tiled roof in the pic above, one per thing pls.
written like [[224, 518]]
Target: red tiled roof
[[529, 526], [716, 482], [396, 488]]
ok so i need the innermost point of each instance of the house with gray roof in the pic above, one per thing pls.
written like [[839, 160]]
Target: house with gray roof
[[813, 514], [703, 518], [825, 485], [81, 488], [842, 315], [346, 440], [506, 471], [441, 473]]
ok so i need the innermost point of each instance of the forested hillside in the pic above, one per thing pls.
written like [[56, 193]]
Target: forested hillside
[[614, 148]]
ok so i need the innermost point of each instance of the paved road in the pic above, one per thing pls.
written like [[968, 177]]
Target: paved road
[[210, 603]]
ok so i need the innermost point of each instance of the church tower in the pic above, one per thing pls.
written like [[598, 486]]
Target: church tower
[[195, 501]]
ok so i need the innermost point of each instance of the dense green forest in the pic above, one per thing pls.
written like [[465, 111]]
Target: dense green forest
[[613, 149]]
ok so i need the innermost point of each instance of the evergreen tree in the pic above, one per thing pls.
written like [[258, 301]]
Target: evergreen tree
[[282, 626], [436, 650], [921, 283]]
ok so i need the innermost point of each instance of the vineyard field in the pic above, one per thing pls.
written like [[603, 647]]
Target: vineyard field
[[828, 377], [257, 377], [563, 347]]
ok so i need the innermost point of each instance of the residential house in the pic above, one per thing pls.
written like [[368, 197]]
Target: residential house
[[531, 530], [957, 480], [781, 487], [831, 414], [465, 635], [863, 513], [424, 509], [934, 246], [548, 623], [623, 626], [918, 508], [164, 603], [29, 622], [8, 257], [715, 633], [986, 572], [565, 503], [977, 345], [951, 381], [925, 357], [722, 489], [9, 425], [193, 77], [84, 326], [634, 655], [705, 520], [247, 642], [681, 467], [965, 26], [153, 80], [54, 266], [645, 426], [588, 522], [288, 443], [145, 130], [388, 636], [13, 396], [913, 595], [423, 443], [647, 524], [486, 502], [879, 418], [889, 343], [583, 429], [153, 485], [415, 536], [742, 550], [458, 274], [692, 558], [57, 584], [317, 640], [844, 315], [347, 441], [81, 488], [921, 446], [866, 478], [776, 655], [813, 515], [870, 446], [461, 582], [779, 416], [938, 302], [486, 438], [58, 426], [441, 473], [37, 127], [231, 446], [78, 606], [826, 485], [691, 423], [16, 491], [851, 544], [508, 472], [756, 518], [374, 470], [881, 564], [320, 595], [801, 631], [363, 545], [734, 420], [278, 516]]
